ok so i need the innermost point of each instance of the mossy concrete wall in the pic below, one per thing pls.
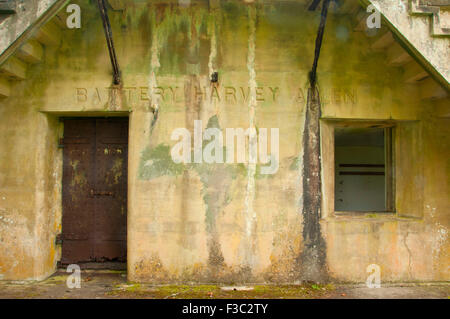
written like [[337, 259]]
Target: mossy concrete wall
[[30, 178], [219, 222]]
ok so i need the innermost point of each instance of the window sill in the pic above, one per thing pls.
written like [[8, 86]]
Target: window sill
[[370, 216]]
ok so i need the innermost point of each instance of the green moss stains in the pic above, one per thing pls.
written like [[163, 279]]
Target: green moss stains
[[156, 162]]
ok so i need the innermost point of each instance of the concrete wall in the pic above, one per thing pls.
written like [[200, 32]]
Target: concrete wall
[[413, 245], [220, 222], [30, 166]]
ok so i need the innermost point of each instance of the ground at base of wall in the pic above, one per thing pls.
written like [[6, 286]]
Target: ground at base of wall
[[113, 285]]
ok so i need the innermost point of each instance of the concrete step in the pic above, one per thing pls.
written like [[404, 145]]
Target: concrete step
[[435, 8]]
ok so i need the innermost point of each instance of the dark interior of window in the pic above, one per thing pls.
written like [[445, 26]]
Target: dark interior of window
[[361, 160]]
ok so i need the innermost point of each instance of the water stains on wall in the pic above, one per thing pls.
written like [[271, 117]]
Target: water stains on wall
[[215, 222]]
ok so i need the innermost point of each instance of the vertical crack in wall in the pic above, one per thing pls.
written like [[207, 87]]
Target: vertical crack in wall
[[192, 88], [211, 106], [249, 213], [213, 42], [152, 83], [215, 179], [409, 255]]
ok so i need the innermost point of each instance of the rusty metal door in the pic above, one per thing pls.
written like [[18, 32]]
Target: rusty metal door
[[94, 221]]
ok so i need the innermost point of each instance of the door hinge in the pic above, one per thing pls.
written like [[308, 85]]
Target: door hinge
[[58, 239], [61, 143]]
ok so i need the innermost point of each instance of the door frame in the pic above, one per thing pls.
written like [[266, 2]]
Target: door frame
[[58, 241]]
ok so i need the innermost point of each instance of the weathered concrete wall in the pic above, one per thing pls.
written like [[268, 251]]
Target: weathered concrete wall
[[406, 248], [216, 222], [30, 165]]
